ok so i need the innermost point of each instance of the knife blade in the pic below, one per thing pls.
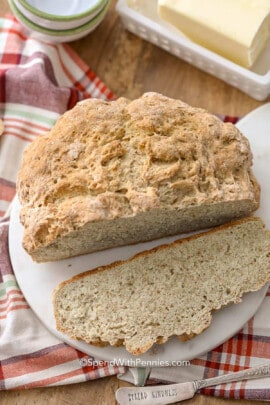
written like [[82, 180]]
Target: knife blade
[[156, 395]]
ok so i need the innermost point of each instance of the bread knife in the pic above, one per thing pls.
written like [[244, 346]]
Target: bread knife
[[169, 394]]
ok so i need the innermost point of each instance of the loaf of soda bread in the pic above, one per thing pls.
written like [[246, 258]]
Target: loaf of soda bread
[[120, 172]]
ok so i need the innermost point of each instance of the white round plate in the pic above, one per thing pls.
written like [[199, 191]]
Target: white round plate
[[37, 281]]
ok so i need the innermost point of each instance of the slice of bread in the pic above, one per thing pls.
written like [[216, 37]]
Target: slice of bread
[[121, 172], [169, 290]]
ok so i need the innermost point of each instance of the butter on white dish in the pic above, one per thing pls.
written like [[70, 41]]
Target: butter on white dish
[[235, 29]]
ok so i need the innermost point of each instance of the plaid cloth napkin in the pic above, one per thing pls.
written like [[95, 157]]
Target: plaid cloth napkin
[[39, 81]]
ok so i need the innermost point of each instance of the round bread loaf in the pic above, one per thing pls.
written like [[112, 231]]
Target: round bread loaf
[[121, 172]]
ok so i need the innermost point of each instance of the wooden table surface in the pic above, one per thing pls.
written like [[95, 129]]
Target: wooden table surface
[[130, 66]]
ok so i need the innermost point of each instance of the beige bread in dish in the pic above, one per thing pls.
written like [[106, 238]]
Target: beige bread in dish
[[166, 291], [121, 172]]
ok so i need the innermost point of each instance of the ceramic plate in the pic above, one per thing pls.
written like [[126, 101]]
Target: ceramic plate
[[37, 281], [61, 9], [60, 33], [56, 24]]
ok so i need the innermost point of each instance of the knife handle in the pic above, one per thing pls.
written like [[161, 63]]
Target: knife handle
[[250, 373]]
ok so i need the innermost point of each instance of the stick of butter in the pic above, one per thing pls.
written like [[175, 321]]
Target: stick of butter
[[235, 29]]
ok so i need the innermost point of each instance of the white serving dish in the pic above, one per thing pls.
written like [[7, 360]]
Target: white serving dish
[[61, 10], [58, 36], [141, 18], [66, 23]]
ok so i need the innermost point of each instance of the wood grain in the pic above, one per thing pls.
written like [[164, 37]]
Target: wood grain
[[131, 66], [98, 392]]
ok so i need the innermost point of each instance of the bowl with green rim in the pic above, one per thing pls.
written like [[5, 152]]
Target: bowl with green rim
[[58, 24], [61, 10], [59, 35]]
